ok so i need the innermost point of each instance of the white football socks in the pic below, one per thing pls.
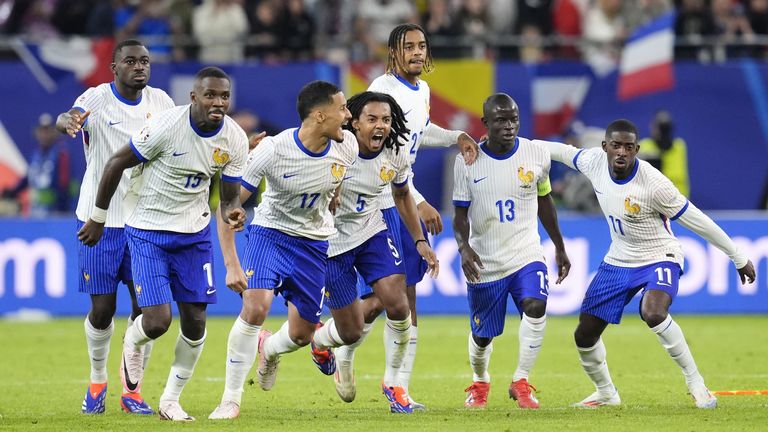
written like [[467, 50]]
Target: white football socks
[[98, 349], [594, 364], [346, 353], [328, 336], [279, 343], [186, 355], [531, 335], [479, 359], [397, 335], [672, 339], [147, 346], [404, 377], [242, 346]]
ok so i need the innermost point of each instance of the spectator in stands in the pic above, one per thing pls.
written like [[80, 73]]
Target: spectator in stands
[[757, 11], [642, 12], [567, 17], [148, 20], [48, 174], [334, 24], [667, 152], [472, 20], [265, 31], [71, 16], [220, 26], [693, 24], [297, 31], [568, 186], [376, 18], [604, 32], [732, 27]]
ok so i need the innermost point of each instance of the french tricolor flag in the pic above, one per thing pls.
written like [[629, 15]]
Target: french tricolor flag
[[558, 90], [646, 61]]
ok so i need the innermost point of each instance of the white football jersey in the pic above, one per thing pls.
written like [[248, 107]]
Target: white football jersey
[[638, 209], [414, 101], [502, 195], [112, 122], [300, 183], [359, 216], [169, 191]]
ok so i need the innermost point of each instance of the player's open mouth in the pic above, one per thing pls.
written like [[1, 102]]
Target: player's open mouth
[[620, 162], [377, 139], [216, 115]]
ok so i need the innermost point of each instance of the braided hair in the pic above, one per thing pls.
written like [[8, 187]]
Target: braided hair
[[398, 133], [395, 48]]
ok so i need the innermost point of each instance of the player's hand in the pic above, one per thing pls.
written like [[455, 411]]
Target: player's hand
[[563, 265], [468, 148], [747, 273], [426, 252], [74, 122], [470, 264], [431, 218], [255, 139], [335, 202], [236, 279], [236, 219], [90, 233]]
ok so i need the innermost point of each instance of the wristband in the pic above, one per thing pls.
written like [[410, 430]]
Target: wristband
[[99, 215], [416, 243]]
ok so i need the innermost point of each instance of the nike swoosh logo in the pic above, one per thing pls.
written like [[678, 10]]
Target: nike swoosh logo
[[597, 191], [289, 175], [403, 343], [347, 178], [179, 154], [407, 112], [480, 179], [398, 262], [233, 361], [544, 293], [534, 346], [663, 284], [131, 386], [210, 291], [177, 376], [111, 123]]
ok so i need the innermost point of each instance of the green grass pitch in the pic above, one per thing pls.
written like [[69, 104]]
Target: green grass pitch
[[44, 372]]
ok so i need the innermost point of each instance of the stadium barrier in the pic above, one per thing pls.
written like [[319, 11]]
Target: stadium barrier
[[38, 270]]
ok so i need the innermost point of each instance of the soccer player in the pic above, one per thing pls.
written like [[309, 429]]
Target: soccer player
[[287, 244], [364, 245], [638, 203], [496, 202], [168, 223], [108, 115], [409, 57]]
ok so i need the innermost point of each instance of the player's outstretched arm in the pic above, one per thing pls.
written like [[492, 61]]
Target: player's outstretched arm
[[436, 136], [123, 159], [548, 218], [698, 222], [407, 208], [470, 261], [71, 122], [560, 152], [235, 279]]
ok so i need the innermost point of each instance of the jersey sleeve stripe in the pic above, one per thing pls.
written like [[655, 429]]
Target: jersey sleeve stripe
[[399, 185], [136, 152], [682, 210], [249, 186], [231, 179], [458, 203], [575, 158]]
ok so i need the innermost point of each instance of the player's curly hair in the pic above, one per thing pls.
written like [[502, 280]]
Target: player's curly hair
[[398, 135], [395, 48]]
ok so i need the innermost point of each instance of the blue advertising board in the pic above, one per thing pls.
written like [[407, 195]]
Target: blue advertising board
[[38, 270]]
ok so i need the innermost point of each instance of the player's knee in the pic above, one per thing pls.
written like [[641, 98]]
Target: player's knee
[[156, 326], [373, 309], [351, 334], [584, 339], [482, 342], [534, 308], [654, 318], [101, 317]]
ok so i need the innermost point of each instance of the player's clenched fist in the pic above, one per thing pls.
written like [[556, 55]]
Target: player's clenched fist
[[236, 219], [72, 122], [90, 233]]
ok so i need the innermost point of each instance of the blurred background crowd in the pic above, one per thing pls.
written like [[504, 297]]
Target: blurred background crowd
[[227, 31]]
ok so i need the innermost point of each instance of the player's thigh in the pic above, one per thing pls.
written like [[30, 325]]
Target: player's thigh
[[415, 265], [100, 265], [662, 281], [377, 262], [305, 288], [341, 281], [265, 261], [530, 288], [610, 290], [151, 270], [192, 269], [488, 307]]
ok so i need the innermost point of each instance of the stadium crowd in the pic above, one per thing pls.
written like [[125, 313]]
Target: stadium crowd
[[356, 30]]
